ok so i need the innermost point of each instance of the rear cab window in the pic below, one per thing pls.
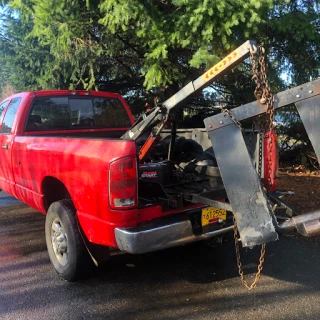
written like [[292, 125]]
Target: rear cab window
[[67, 113]]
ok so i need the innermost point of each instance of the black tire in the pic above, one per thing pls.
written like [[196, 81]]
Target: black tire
[[66, 249]]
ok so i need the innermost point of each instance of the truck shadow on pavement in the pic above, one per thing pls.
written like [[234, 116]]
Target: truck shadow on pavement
[[289, 259]]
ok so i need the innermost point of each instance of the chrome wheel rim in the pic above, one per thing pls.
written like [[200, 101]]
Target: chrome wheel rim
[[59, 241]]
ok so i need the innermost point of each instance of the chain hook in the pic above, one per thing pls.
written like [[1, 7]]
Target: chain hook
[[253, 49]]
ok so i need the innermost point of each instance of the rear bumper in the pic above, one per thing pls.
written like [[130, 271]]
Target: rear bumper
[[144, 239]]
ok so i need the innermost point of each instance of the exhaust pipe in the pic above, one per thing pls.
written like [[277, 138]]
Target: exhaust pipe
[[307, 225]]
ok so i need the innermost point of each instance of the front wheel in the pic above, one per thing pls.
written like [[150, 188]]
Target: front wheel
[[66, 249]]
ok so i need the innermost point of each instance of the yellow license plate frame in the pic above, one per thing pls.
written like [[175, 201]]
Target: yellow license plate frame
[[211, 214]]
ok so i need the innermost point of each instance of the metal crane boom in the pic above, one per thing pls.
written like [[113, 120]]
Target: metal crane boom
[[158, 114]]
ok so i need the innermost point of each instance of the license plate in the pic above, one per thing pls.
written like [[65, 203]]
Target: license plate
[[212, 215]]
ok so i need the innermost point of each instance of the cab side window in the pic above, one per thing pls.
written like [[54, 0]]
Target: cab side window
[[2, 107], [10, 115]]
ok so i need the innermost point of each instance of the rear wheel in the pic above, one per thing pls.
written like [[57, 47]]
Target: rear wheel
[[66, 249]]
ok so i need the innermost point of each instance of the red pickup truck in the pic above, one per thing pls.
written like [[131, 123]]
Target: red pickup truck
[[62, 154]]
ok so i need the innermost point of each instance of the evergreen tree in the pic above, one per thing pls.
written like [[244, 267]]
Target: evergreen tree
[[132, 46]]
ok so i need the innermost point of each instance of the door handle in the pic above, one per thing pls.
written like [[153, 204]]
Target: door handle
[[5, 146]]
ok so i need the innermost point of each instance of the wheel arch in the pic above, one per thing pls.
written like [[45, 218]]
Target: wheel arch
[[53, 190]]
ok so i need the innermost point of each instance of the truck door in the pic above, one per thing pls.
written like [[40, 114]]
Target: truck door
[[6, 139]]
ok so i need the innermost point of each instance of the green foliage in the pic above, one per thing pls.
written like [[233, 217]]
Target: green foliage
[[25, 63], [131, 46], [90, 42], [193, 32], [294, 39]]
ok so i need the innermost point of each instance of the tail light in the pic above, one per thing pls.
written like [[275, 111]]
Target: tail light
[[271, 154], [123, 183]]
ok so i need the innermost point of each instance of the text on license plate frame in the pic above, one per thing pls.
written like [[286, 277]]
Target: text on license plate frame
[[212, 214]]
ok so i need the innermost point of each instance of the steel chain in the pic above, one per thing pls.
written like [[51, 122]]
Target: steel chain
[[262, 91], [261, 136], [260, 123], [232, 117], [268, 99], [240, 269], [263, 94]]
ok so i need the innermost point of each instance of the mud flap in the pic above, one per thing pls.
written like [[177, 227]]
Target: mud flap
[[251, 208], [309, 111]]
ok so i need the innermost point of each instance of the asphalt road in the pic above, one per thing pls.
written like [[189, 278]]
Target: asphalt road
[[197, 281]]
